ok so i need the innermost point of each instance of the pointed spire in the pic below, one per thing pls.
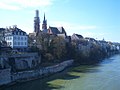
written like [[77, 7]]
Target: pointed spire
[[44, 25], [44, 16]]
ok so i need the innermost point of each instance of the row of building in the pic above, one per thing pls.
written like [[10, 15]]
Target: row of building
[[15, 39], [18, 39]]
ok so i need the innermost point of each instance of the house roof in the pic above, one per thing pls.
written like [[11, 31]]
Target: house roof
[[61, 30], [79, 36], [54, 30], [14, 30], [2, 29]]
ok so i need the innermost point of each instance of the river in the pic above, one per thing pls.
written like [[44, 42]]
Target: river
[[103, 76]]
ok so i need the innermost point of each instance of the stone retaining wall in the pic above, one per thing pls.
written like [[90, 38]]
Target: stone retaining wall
[[7, 77], [26, 75]]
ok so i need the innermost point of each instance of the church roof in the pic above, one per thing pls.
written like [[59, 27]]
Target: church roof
[[54, 30]]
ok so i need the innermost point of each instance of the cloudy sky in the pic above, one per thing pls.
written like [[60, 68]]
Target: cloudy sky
[[91, 18]]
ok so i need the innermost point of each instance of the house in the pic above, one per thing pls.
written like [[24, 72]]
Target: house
[[16, 38], [76, 37], [2, 34]]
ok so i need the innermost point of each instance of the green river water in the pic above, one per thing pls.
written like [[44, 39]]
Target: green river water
[[103, 76]]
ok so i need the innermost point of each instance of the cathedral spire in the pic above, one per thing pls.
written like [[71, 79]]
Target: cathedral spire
[[44, 25], [44, 16]]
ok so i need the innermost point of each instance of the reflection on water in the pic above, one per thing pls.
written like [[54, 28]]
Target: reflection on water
[[104, 76]]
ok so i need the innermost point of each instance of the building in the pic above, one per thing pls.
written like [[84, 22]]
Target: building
[[59, 31], [16, 38], [44, 25], [37, 23], [2, 34], [76, 37]]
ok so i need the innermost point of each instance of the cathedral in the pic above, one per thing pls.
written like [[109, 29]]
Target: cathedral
[[59, 31]]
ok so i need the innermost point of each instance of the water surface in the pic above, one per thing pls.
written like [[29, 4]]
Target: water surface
[[104, 76]]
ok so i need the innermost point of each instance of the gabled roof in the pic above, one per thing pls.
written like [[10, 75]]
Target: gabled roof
[[61, 30], [76, 37], [2, 29], [79, 36], [54, 30], [14, 30], [91, 39]]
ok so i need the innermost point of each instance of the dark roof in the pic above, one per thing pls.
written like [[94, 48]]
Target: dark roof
[[61, 30], [14, 29], [2, 29], [92, 39], [54, 30], [79, 36]]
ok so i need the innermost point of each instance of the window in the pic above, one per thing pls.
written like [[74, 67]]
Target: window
[[18, 43], [18, 33], [25, 43], [21, 43], [7, 43], [25, 38], [14, 43], [18, 38], [10, 43], [15, 38], [10, 38], [21, 33], [21, 38]]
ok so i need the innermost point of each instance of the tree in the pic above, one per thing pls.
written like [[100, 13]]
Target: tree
[[58, 47]]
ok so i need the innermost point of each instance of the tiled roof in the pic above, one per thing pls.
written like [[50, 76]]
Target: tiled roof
[[2, 29], [54, 30], [79, 36]]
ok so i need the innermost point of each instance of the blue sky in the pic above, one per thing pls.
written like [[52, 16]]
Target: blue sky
[[91, 18]]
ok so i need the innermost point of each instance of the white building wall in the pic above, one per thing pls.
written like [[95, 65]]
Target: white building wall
[[9, 40], [16, 38], [20, 41]]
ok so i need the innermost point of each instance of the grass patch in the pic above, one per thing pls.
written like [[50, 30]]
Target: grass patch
[[56, 83]]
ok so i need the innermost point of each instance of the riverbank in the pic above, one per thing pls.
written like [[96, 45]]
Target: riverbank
[[35, 74], [83, 77]]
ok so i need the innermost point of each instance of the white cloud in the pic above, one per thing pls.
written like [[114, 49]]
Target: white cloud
[[7, 6], [20, 4]]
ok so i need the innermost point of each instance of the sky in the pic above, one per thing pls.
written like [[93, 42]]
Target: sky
[[90, 18]]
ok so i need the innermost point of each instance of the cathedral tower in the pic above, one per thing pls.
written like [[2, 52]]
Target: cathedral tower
[[44, 25], [37, 23]]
